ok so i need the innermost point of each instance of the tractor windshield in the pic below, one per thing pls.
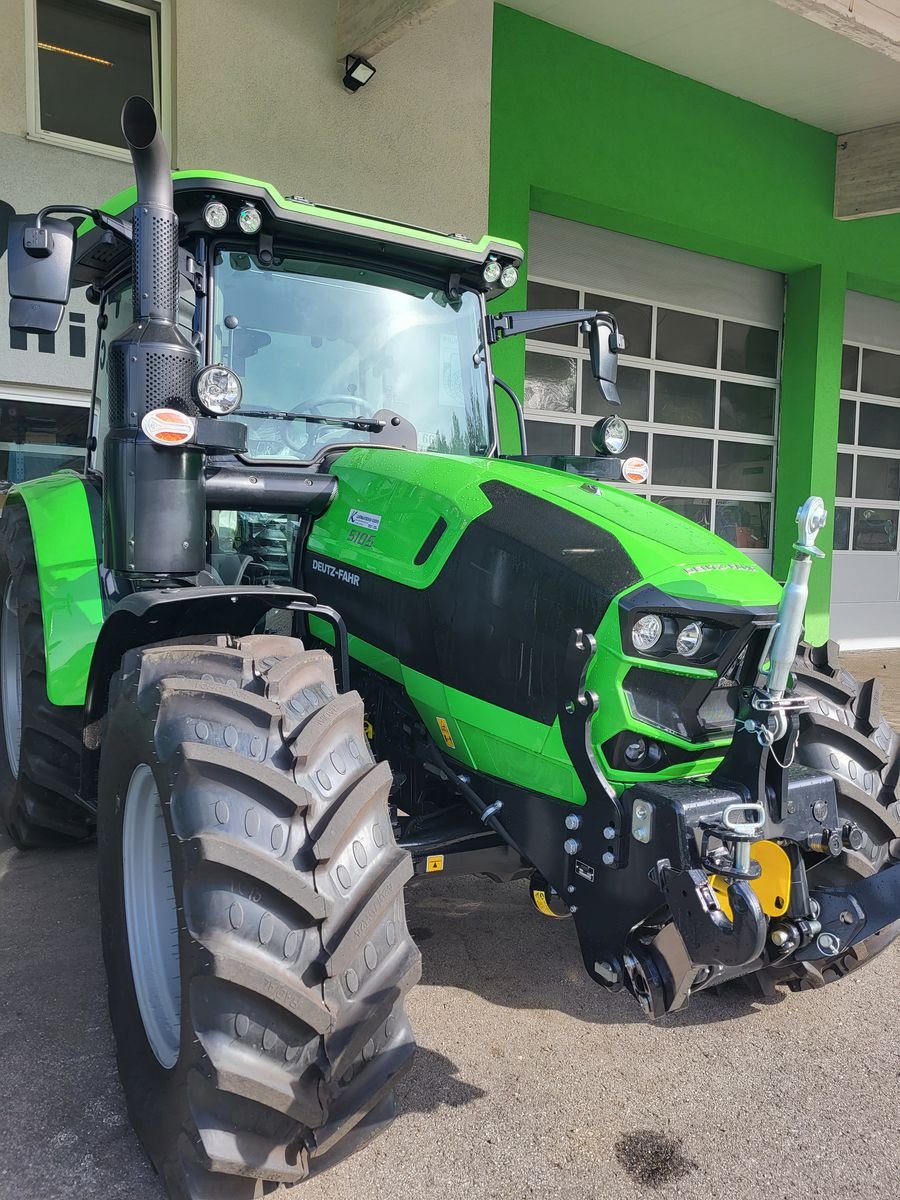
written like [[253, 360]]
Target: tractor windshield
[[338, 341]]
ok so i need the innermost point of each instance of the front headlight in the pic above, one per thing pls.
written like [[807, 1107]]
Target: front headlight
[[217, 390], [670, 637], [646, 632], [689, 640]]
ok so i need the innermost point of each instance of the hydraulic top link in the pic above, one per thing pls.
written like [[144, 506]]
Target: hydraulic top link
[[788, 629]]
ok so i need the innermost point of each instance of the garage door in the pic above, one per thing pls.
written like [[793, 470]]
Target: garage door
[[865, 596], [698, 377]]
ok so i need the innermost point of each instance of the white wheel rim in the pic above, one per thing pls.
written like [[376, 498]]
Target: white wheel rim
[[151, 916], [11, 676]]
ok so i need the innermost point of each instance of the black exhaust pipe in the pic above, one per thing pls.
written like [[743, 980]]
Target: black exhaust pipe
[[148, 153], [154, 508], [154, 223]]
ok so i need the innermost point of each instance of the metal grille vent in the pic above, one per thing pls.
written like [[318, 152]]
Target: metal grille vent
[[156, 263], [169, 382], [115, 393], [166, 383]]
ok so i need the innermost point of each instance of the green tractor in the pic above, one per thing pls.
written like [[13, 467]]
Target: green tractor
[[301, 631]]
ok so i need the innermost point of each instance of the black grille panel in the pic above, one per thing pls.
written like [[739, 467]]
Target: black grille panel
[[691, 707], [166, 381]]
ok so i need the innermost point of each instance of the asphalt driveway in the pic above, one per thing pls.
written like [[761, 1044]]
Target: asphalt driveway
[[529, 1080]]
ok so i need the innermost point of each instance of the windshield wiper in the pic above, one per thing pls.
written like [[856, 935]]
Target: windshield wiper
[[363, 424]]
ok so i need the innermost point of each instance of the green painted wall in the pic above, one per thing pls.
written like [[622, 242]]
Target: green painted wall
[[581, 131]]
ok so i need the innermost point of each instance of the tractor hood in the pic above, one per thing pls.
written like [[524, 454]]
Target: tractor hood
[[465, 579], [675, 554], [391, 503]]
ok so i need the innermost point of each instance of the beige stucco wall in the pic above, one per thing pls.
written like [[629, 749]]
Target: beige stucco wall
[[258, 92], [12, 70], [267, 101]]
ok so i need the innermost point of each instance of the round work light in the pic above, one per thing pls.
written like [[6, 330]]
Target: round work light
[[217, 390], [250, 219], [610, 436], [491, 272], [215, 214]]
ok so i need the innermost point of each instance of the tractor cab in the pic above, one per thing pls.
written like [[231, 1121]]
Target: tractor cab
[[324, 319]]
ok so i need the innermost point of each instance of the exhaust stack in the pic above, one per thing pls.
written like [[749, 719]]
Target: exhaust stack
[[154, 510], [155, 225]]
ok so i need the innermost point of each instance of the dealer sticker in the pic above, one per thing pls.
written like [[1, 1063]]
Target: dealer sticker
[[366, 519]]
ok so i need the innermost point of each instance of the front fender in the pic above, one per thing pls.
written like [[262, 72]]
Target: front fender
[[159, 615], [64, 515]]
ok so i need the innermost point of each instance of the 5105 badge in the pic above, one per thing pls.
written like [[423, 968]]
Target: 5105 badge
[[360, 537]]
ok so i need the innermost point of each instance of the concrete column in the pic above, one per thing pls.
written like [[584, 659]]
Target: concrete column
[[807, 444]]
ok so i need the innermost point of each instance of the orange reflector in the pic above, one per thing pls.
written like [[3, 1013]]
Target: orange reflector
[[169, 427], [635, 470]]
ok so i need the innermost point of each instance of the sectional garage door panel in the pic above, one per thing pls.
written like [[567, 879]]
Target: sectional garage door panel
[[699, 377], [865, 593], [871, 320], [585, 256]]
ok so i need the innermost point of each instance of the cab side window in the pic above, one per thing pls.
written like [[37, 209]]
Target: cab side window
[[115, 317]]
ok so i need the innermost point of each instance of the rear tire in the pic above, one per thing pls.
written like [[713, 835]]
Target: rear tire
[[275, 1051], [845, 735], [40, 744]]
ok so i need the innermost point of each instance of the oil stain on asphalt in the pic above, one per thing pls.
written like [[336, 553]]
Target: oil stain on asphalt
[[652, 1158]]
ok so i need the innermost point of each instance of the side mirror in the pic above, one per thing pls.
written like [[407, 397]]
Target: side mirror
[[604, 344], [40, 254]]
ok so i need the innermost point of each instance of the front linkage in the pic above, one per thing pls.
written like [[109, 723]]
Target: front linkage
[[694, 843], [660, 879]]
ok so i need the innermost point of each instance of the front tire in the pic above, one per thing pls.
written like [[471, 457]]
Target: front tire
[[845, 735], [245, 841]]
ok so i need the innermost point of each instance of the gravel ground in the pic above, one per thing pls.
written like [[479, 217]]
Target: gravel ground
[[529, 1080]]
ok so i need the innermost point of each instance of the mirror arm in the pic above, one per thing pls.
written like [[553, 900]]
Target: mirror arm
[[604, 339], [39, 240], [531, 320]]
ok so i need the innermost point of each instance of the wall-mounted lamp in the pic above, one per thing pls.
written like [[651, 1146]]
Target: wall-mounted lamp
[[357, 73]]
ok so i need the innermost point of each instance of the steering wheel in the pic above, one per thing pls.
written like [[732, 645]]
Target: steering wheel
[[304, 438]]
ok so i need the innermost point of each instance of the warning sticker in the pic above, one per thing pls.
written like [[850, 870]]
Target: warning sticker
[[540, 900], [585, 870], [445, 733], [434, 862]]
